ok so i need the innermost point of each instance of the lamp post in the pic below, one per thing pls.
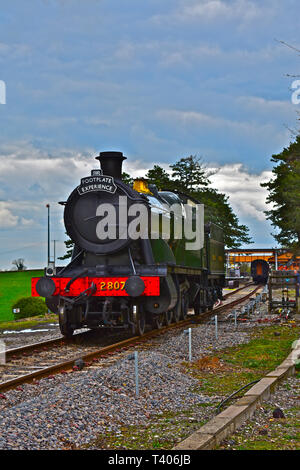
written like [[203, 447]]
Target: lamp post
[[276, 260], [54, 250], [48, 207]]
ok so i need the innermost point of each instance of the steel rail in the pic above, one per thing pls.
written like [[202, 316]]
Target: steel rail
[[94, 355], [238, 290], [62, 341], [41, 344]]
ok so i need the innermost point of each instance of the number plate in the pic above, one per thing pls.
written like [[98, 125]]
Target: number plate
[[106, 286]]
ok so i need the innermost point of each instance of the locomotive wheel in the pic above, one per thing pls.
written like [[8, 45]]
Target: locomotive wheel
[[168, 317], [197, 305], [64, 326], [197, 308], [139, 320], [184, 306], [158, 321], [65, 329], [177, 310]]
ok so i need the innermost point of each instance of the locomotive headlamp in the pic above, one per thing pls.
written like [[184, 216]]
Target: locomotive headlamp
[[50, 270], [45, 287], [141, 186], [135, 286]]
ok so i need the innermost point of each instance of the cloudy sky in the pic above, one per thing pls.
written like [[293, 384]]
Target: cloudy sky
[[158, 80]]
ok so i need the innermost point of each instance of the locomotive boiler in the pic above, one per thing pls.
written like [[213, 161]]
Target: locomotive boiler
[[129, 266]]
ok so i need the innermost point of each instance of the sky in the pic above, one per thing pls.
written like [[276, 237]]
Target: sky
[[157, 80]]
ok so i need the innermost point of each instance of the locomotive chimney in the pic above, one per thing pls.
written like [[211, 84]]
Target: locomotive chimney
[[111, 163]]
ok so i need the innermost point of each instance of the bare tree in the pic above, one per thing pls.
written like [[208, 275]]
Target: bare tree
[[19, 263]]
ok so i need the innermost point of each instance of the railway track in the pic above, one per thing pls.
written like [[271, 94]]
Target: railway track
[[34, 361], [33, 347], [235, 291]]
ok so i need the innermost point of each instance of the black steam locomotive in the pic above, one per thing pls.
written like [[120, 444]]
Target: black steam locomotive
[[121, 280]]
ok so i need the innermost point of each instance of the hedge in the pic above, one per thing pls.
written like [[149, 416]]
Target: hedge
[[29, 307]]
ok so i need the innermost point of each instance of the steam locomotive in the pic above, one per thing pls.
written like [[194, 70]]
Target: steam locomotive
[[124, 278]]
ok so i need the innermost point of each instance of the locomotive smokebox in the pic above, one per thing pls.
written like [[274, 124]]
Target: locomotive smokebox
[[111, 163]]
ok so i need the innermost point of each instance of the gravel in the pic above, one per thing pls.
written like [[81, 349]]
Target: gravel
[[79, 406]]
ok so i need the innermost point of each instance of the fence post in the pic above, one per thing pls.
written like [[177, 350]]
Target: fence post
[[136, 364]]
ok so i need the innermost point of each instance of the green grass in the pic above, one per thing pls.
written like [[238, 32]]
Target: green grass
[[28, 323], [265, 351], [283, 434], [162, 432], [224, 383], [274, 442], [244, 363], [13, 286]]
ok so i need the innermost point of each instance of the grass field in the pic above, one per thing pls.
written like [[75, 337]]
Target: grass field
[[13, 286]]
